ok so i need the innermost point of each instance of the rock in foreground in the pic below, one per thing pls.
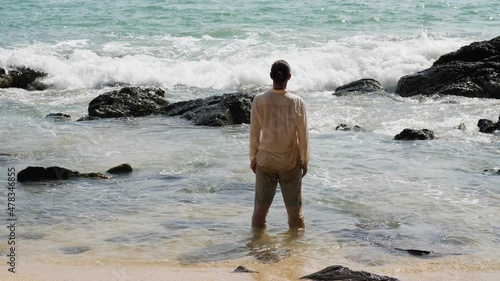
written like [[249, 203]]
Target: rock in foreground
[[227, 109], [127, 102], [411, 134], [366, 85], [338, 272], [472, 71], [54, 173]]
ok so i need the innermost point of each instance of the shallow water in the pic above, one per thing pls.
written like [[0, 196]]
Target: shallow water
[[189, 199]]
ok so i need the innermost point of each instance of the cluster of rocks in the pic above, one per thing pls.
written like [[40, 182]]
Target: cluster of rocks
[[215, 111], [56, 173], [22, 77]]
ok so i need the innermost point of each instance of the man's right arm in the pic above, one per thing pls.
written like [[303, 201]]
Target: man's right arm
[[255, 130]]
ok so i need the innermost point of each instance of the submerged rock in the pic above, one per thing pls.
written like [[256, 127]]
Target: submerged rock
[[411, 134], [227, 109], [366, 85], [242, 269], [268, 256], [472, 71], [415, 252], [338, 272], [121, 169], [59, 117], [462, 127], [345, 127], [488, 126], [54, 173], [127, 102], [22, 77]]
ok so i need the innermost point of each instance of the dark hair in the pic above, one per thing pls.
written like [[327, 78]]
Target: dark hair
[[280, 71]]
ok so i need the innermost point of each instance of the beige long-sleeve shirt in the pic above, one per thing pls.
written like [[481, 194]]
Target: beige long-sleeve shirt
[[279, 134]]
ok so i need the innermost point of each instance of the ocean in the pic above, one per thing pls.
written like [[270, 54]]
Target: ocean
[[190, 197]]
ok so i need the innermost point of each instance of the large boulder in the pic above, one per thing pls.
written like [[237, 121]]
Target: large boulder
[[227, 109], [127, 102], [338, 272], [54, 173], [472, 71], [411, 134], [22, 77], [488, 126], [366, 85]]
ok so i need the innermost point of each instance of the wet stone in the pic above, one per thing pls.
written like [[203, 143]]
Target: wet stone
[[338, 272], [74, 250], [242, 269]]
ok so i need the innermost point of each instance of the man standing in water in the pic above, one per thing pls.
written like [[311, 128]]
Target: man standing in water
[[279, 148]]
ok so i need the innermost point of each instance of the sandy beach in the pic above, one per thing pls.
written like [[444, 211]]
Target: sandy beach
[[291, 268]]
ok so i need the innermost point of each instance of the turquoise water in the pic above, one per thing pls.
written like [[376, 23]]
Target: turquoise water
[[190, 197]]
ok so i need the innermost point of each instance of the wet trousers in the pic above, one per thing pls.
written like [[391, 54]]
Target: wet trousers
[[290, 182]]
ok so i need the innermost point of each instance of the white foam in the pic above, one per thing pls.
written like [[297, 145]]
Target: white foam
[[227, 64]]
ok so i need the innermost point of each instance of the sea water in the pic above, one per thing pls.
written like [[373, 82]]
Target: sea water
[[190, 197]]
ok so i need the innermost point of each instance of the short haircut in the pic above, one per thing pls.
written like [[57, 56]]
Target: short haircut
[[280, 71]]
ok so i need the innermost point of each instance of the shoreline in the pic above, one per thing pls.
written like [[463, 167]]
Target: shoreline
[[291, 268]]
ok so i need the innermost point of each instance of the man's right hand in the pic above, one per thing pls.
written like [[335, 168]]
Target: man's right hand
[[253, 166]]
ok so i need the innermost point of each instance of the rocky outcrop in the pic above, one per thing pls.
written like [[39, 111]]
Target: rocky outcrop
[[338, 272], [488, 126], [227, 109], [127, 102], [411, 134], [22, 77], [124, 168], [366, 85], [54, 173], [472, 71]]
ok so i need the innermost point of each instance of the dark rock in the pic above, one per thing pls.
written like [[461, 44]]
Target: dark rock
[[127, 102], [22, 77], [410, 134], [338, 272], [415, 252], [227, 109], [488, 126], [345, 127], [59, 117], [242, 269], [54, 173], [492, 171], [462, 127], [121, 169], [366, 85], [472, 71]]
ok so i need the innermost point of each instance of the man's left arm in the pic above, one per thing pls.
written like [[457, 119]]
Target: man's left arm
[[303, 138]]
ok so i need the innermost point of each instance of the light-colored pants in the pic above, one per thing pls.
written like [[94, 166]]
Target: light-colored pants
[[266, 182]]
